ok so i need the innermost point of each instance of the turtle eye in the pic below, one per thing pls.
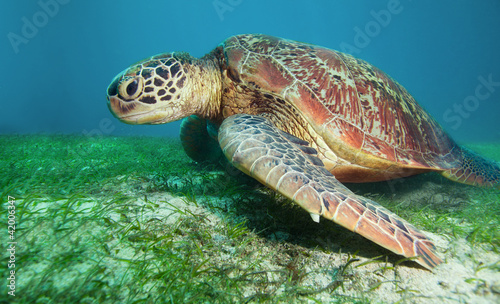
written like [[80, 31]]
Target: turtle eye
[[131, 89]]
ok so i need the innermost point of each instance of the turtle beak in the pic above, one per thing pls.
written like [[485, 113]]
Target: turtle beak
[[109, 106], [118, 108], [113, 101], [136, 113]]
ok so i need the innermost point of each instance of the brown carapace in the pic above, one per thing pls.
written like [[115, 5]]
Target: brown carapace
[[301, 119]]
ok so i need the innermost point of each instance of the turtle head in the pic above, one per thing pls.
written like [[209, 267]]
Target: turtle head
[[153, 91]]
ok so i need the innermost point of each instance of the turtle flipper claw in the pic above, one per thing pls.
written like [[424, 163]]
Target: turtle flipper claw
[[256, 147]]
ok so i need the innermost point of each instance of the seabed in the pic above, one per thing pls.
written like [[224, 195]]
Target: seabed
[[134, 220]]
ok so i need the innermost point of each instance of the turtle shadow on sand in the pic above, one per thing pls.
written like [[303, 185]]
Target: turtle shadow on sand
[[293, 225], [428, 190], [237, 197]]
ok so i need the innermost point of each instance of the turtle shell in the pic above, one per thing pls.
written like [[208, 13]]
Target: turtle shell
[[358, 110]]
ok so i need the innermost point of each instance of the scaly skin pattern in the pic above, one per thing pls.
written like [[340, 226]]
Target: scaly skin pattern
[[474, 170], [289, 166], [165, 88]]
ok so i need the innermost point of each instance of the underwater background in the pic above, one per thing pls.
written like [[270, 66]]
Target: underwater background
[[105, 212], [59, 59]]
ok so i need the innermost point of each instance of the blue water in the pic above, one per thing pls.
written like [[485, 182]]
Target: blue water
[[58, 56]]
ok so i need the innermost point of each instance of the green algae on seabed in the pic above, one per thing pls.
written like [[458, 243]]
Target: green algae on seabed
[[114, 219]]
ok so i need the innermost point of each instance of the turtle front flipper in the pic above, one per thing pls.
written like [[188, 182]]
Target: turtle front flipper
[[199, 139], [288, 165]]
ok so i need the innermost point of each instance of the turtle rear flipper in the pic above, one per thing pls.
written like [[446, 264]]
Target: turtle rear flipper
[[474, 169], [282, 162]]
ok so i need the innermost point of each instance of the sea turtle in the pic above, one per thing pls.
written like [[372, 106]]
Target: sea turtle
[[301, 119]]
